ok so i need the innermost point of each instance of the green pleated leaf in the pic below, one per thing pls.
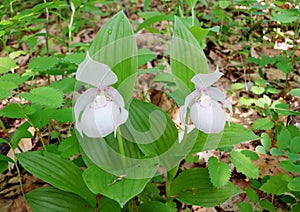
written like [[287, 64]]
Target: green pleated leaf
[[219, 172], [6, 64], [193, 187], [154, 19], [108, 205], [52, 199], [154, 206], [231, 136], [115, 45], [57, 171], [243, 164], [187, 57], [118, 188], [46, 96], [149, 138]]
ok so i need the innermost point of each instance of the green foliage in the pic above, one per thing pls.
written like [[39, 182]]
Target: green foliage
[[41, 64], [61, 173], [193, 187], [6, 64], [276, 184], [243, 164], [46, 96], [219, 172], [54, 199], [113, 186], [263, 124]]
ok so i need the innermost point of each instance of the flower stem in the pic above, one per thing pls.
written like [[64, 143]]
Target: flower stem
[[121, 147]]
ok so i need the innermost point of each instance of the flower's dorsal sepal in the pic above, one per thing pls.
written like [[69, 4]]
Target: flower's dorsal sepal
[[206, 111], [203, 81], [95, 73]]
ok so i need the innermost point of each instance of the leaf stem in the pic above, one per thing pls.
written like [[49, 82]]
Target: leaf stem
[[121, 147], [193, 16]]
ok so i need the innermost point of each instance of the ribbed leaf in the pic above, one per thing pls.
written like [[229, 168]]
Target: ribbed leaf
[[153, 206], [41, 64], [193, 187], [44, 96], [243, 164], [187, 57], [118, 188], [16, 111], [149, 138], [115, 45], [219, 172], [52, 199], [61, 173], [231, 136]]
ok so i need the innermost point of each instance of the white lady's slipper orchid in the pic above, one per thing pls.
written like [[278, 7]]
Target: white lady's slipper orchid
[[98, 111], [205, 106]]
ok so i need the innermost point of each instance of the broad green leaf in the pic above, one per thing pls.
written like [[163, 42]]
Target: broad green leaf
[[267, 205], [243, 164], [6, 88], [41, 116], [263, 124], [283, 139], [193, 187], [52, 199], [16, 111], [265, 140], [245, 207], [187, 57], [224, 4], [150, 193], [294, 184], [41, 64], [3, 166], [57, 171], [63, 115], [76, 58], [276, 152], [149, 138], [65, 85], [285, 17], [295, 92], [21, 132], [231, 136], [154, 206], [200, 34], [6, 64], [46, 96], [250, 154], [257, 90], [289, 166], [118, 188], [115, 45], [252, 195], [238, 85], [15, 78], [296, 207], [276, 184], [5, 158], [284, 66], [295, 145], [154, 19], [108, 205], [69, 147], [219, 172]]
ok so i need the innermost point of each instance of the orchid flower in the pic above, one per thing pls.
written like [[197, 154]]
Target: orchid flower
[[102, 107], [205, 104]]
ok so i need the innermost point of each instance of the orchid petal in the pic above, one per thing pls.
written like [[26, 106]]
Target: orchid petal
[[115, 96], [95, 73], [81, 102], [104, 119], [209, 118], [120, 116], [217, 95], [188, 101], [203, 81]]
